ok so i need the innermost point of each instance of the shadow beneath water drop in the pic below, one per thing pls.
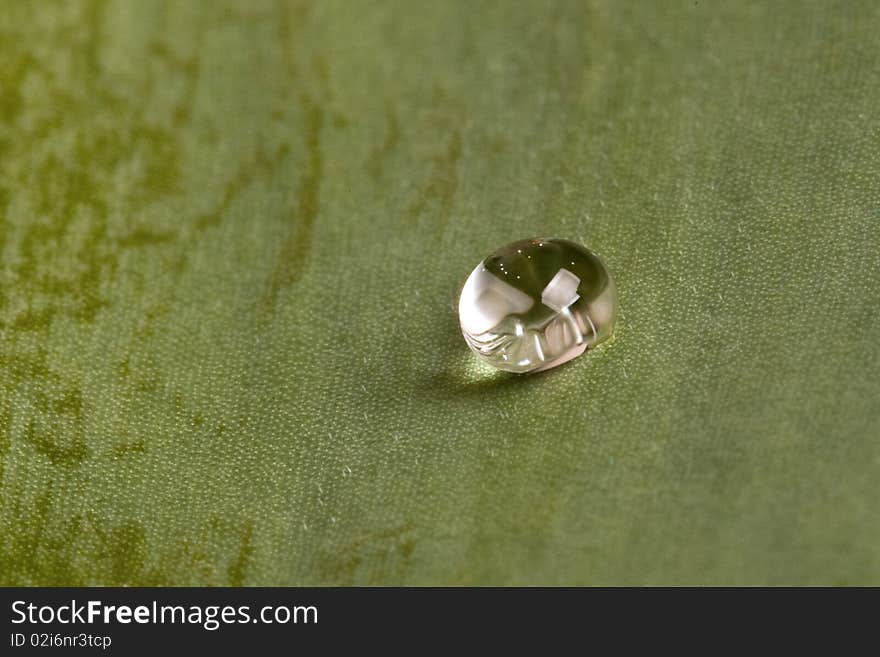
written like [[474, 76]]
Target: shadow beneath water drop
[[465, 376]]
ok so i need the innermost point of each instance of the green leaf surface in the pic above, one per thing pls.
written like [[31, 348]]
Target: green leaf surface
[[232, 239]]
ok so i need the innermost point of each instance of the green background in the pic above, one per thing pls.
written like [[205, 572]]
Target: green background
[[232, 238]]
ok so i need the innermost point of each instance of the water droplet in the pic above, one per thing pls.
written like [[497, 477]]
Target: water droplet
[[561, 303]]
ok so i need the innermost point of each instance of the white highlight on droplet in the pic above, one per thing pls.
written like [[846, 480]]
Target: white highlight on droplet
[[486, 300], [561, 291]]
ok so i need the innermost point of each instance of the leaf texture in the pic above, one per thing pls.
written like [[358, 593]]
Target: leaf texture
[[232, 239]]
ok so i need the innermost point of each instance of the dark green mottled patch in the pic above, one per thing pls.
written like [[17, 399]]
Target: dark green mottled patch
[[292, 258], [238, 568]]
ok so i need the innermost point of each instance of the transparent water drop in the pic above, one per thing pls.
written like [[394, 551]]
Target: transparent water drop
[[536, 304]]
